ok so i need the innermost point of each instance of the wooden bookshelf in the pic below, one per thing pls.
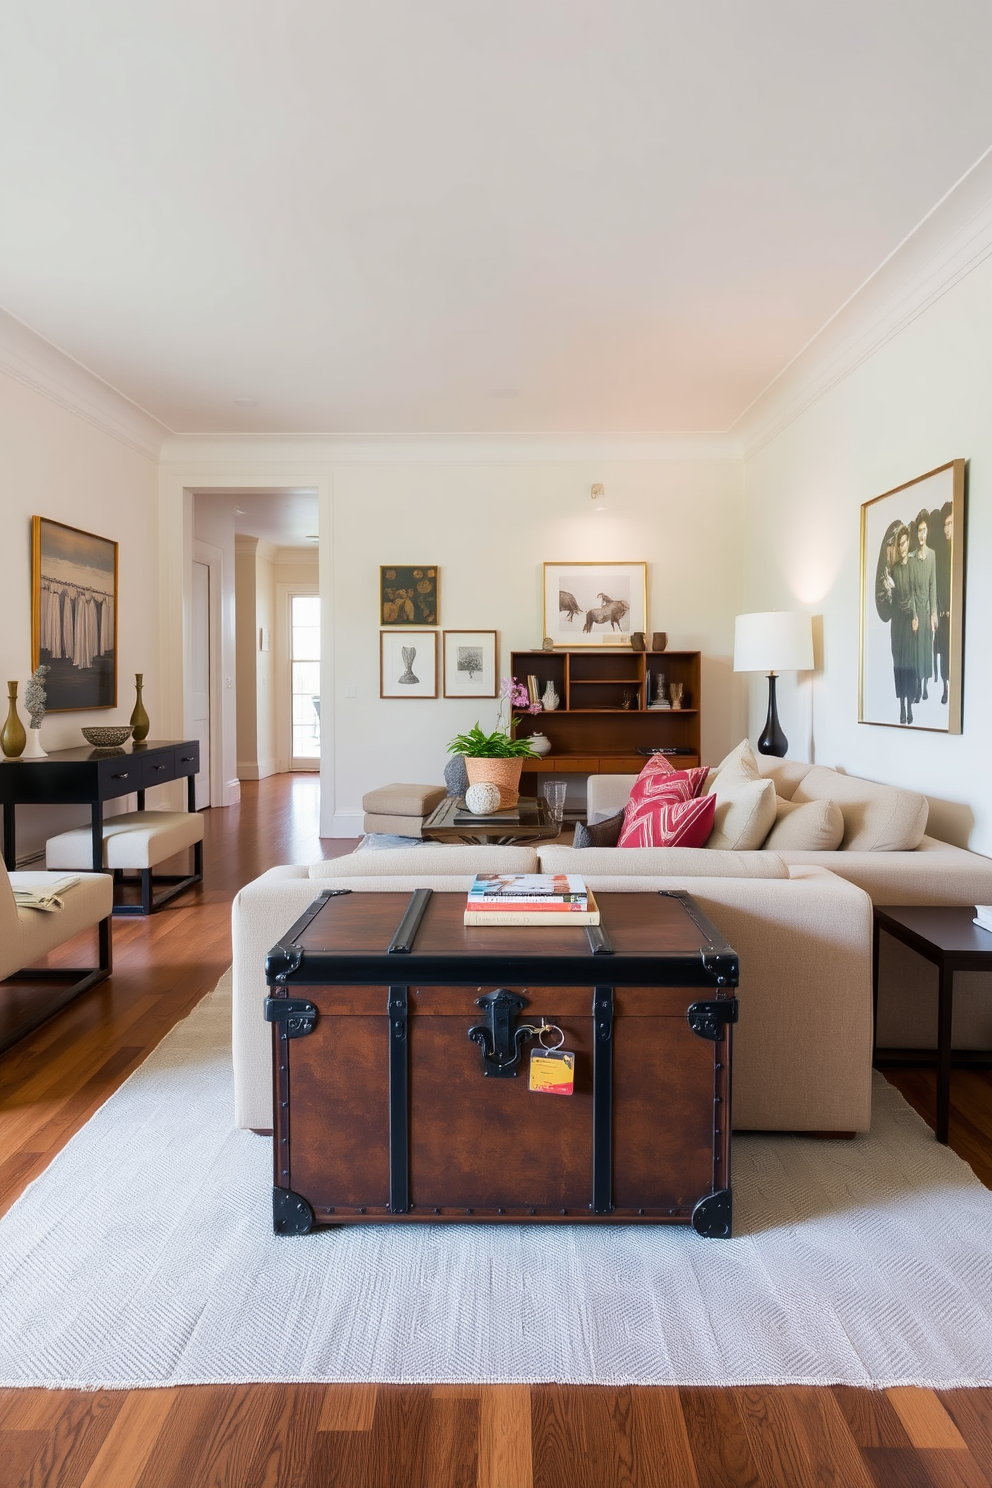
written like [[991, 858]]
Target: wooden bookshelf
[[593, 731]]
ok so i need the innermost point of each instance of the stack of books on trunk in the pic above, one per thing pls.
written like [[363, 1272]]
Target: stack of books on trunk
[[530, 899], [983, 916]]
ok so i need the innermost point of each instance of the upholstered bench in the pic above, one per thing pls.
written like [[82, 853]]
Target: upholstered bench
[[400, 809], [137, 841], [27, 934]]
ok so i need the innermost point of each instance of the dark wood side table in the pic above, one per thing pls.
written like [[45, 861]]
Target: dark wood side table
[[949, 937], [88, 777], [528, 821]]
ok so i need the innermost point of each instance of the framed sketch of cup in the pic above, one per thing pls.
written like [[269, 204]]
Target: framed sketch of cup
[[912, 603], [408, 663], [470, 668]]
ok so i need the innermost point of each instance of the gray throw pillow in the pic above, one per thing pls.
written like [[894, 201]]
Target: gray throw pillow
[[600, 834]]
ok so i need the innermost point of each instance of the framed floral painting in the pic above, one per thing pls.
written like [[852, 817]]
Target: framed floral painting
[[408, 594]]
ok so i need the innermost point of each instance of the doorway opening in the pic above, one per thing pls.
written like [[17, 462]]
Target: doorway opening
[[304, 661]]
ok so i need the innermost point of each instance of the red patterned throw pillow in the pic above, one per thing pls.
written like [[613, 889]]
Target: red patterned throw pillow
[[665, 809]]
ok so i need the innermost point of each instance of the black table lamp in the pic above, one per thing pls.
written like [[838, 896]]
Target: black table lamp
[[773, 641]]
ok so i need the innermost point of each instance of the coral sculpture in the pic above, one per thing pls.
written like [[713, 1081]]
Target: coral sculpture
[[35, 696]]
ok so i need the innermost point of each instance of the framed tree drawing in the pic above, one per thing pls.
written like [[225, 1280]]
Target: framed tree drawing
[[912, 603], [594, 604], [470, 668], [408, 664], [74, 615], [408, 594]]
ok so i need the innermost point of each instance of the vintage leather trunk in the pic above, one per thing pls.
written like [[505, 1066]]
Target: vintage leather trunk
[[402, 1041]]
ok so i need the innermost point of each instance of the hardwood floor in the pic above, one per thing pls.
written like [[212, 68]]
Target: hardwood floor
[[310, 1436]]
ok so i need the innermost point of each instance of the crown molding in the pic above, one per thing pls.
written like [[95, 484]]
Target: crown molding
[[38, 364], [214, 453], [952, 240]]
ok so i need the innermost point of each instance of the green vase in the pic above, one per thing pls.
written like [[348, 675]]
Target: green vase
[[139, 718], [13, 739]]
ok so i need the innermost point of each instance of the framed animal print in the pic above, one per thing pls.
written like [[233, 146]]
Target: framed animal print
[[594, 604], [470, 664], [74, 615], [912, 603], [408, 594], [408, 664]]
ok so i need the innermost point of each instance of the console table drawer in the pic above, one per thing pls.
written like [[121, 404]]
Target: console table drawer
[[188, 759]]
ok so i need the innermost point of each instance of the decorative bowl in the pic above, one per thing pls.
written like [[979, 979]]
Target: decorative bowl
[[109, 737]]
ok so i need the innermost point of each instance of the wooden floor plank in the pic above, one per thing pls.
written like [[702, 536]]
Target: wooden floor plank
[[718, 1440], [20, 1451], [505, 1452], [925, 1419], [131, 1440], [871, 1417], [348, 1408]]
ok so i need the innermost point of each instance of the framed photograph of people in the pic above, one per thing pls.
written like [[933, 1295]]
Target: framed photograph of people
[[408, 594], [470, 668], [594, 604], [408, 664], [912, 603], [74, 615]]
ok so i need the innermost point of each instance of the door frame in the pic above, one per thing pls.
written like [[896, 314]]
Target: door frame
[[213, 558]]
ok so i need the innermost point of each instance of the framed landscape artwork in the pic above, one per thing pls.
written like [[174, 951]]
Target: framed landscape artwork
[[408, 664], [912, 603], [408, 594], [594, 604], [470, 668], [74, 615]]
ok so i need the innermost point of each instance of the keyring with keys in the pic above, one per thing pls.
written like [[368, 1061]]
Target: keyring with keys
[[552, 1068]]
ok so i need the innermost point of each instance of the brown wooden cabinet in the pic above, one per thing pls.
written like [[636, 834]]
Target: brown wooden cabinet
[[603, 718]]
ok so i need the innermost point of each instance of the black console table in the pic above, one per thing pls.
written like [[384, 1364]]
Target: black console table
[[88, 777]]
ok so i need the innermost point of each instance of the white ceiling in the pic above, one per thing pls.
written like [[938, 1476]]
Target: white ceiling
[[453, 216], [286, 517]]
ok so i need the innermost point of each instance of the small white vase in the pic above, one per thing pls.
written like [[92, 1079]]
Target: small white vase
[[33, 749], [550, 700], [540, 743]]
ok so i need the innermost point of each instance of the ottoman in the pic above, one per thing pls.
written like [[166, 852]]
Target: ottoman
[[400, 809]]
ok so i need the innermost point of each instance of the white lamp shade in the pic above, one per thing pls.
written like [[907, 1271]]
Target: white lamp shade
[[773, 641]]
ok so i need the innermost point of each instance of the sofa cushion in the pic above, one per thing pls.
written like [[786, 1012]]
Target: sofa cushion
[[431, 860], [806, 826], [739, 764], [599, 834], [640, 862], [877, 818], [745, 812], [786, 773], [662, 810]]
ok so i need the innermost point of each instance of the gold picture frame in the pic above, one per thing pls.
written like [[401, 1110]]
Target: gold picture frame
[[911, 649], [74, 615], [582, 603]]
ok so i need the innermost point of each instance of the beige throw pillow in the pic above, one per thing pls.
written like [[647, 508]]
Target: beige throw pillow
[[808, 826], [745, 813], [740, 764], [877, 818]]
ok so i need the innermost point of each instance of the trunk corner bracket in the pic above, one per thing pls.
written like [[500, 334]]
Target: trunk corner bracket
[[707, 1019], [297, 1016]]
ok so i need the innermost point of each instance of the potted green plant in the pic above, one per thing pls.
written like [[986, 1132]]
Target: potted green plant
[[496, 757]]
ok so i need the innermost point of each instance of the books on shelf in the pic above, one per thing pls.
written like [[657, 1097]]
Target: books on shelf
[[983, 916], [530, 899]]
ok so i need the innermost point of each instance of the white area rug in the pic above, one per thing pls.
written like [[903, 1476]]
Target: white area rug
[[144, 1255]]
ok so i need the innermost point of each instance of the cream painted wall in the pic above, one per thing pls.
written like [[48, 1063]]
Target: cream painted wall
[[489, 528], [246, 683], [265, 691], [213, 522], [56, 464], [919, 401]]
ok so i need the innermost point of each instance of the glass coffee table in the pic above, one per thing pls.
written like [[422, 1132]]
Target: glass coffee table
[[529, 820]]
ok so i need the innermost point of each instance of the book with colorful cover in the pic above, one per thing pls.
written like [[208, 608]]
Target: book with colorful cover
[[524, 913], [506, 889]]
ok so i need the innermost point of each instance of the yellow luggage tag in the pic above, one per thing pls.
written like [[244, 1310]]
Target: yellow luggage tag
[[552, 1071]]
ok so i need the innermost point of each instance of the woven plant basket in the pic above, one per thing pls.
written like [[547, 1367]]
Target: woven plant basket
[[503, 773]]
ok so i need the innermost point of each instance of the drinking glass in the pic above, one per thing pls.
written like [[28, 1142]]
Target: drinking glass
[[554, 795]]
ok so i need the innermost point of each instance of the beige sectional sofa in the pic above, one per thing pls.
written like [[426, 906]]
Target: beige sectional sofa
[[884, 851], [803, 1044]]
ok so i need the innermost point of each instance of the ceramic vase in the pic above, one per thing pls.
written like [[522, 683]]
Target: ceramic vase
[[540, 743], [34, 749], [139, 720], [13, 738], [503, 773], [550, 700]]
